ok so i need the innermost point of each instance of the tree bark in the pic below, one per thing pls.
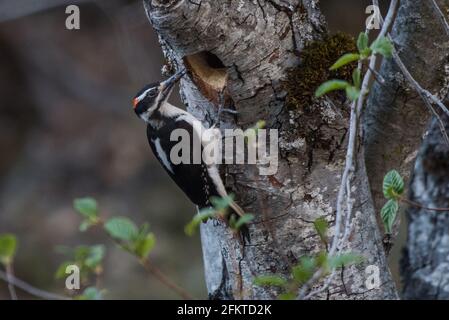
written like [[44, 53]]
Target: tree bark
[[395, 113], [396, 118], [425, 270], [255, 43], [424, 264]]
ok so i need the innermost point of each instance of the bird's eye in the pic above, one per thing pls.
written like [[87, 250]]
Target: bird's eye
[[152, 94]]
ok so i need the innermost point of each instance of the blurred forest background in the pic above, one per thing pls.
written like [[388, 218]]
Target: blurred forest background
[[67, 130]]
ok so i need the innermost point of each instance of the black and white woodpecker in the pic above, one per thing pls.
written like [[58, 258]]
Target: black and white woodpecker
[[200, 181]]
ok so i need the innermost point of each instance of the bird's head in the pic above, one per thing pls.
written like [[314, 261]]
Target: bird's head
[[154, 95]]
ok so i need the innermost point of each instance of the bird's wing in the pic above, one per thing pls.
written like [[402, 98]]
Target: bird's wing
[[212, 167], [191, 177], [199, 180]]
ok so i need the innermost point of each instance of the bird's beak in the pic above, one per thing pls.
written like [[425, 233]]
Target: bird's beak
[[168, 84]]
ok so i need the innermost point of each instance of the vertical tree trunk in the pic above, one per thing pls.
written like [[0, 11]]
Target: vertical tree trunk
[[425, 267], [396, 118], [249, 45], [424, 45]]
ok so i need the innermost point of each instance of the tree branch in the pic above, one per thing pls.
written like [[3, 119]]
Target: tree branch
[[10, 276], [441, 16], [10, 279]]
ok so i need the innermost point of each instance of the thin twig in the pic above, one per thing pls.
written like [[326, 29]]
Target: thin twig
[[164, 279], [436, 100], [420, 206], [10, 279], [425, 95], [10, 274], [441, 16], [377, 76], [152, 269]]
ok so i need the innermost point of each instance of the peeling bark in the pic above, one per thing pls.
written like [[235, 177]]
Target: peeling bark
[[257, 42]]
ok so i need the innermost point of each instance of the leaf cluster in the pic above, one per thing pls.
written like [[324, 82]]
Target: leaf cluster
[[381, 46]]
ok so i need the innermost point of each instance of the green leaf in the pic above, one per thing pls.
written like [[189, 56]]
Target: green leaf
[[203, 215], [330, 86], [144, 246], [95, 256], [85, 225], [352, 93], [393, 185], [243, 220], [357, 78], [8, 246], [90, 293], [121, 228], [383, 46], [304, 270], [344, 60], [287, 296], [222, 203], [260, 124], [60, 272], [362, 42], [366, 53], [270, 281], [344, 260], [143, 230], [388, 214], [87, 207], [321, 227], [322, 261], [81, 253]]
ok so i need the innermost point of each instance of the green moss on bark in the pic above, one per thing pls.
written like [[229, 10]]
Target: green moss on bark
[[316, 59]]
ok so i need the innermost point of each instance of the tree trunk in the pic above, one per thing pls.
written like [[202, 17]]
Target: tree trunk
[[425, 269], [396, 118], [425, 46], [254, 43], [395, 113], [424, 265]]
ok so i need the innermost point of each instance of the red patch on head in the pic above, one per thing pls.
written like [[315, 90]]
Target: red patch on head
[[135, 102]]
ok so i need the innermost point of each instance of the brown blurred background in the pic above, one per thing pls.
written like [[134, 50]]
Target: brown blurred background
[[67, 130]]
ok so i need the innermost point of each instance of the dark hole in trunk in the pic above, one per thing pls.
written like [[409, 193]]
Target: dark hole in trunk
[[212, 60]]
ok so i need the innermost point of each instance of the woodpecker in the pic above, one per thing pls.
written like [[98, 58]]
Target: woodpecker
[[199, 182]]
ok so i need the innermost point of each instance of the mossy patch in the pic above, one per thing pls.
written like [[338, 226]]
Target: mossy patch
[[316, 59]]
